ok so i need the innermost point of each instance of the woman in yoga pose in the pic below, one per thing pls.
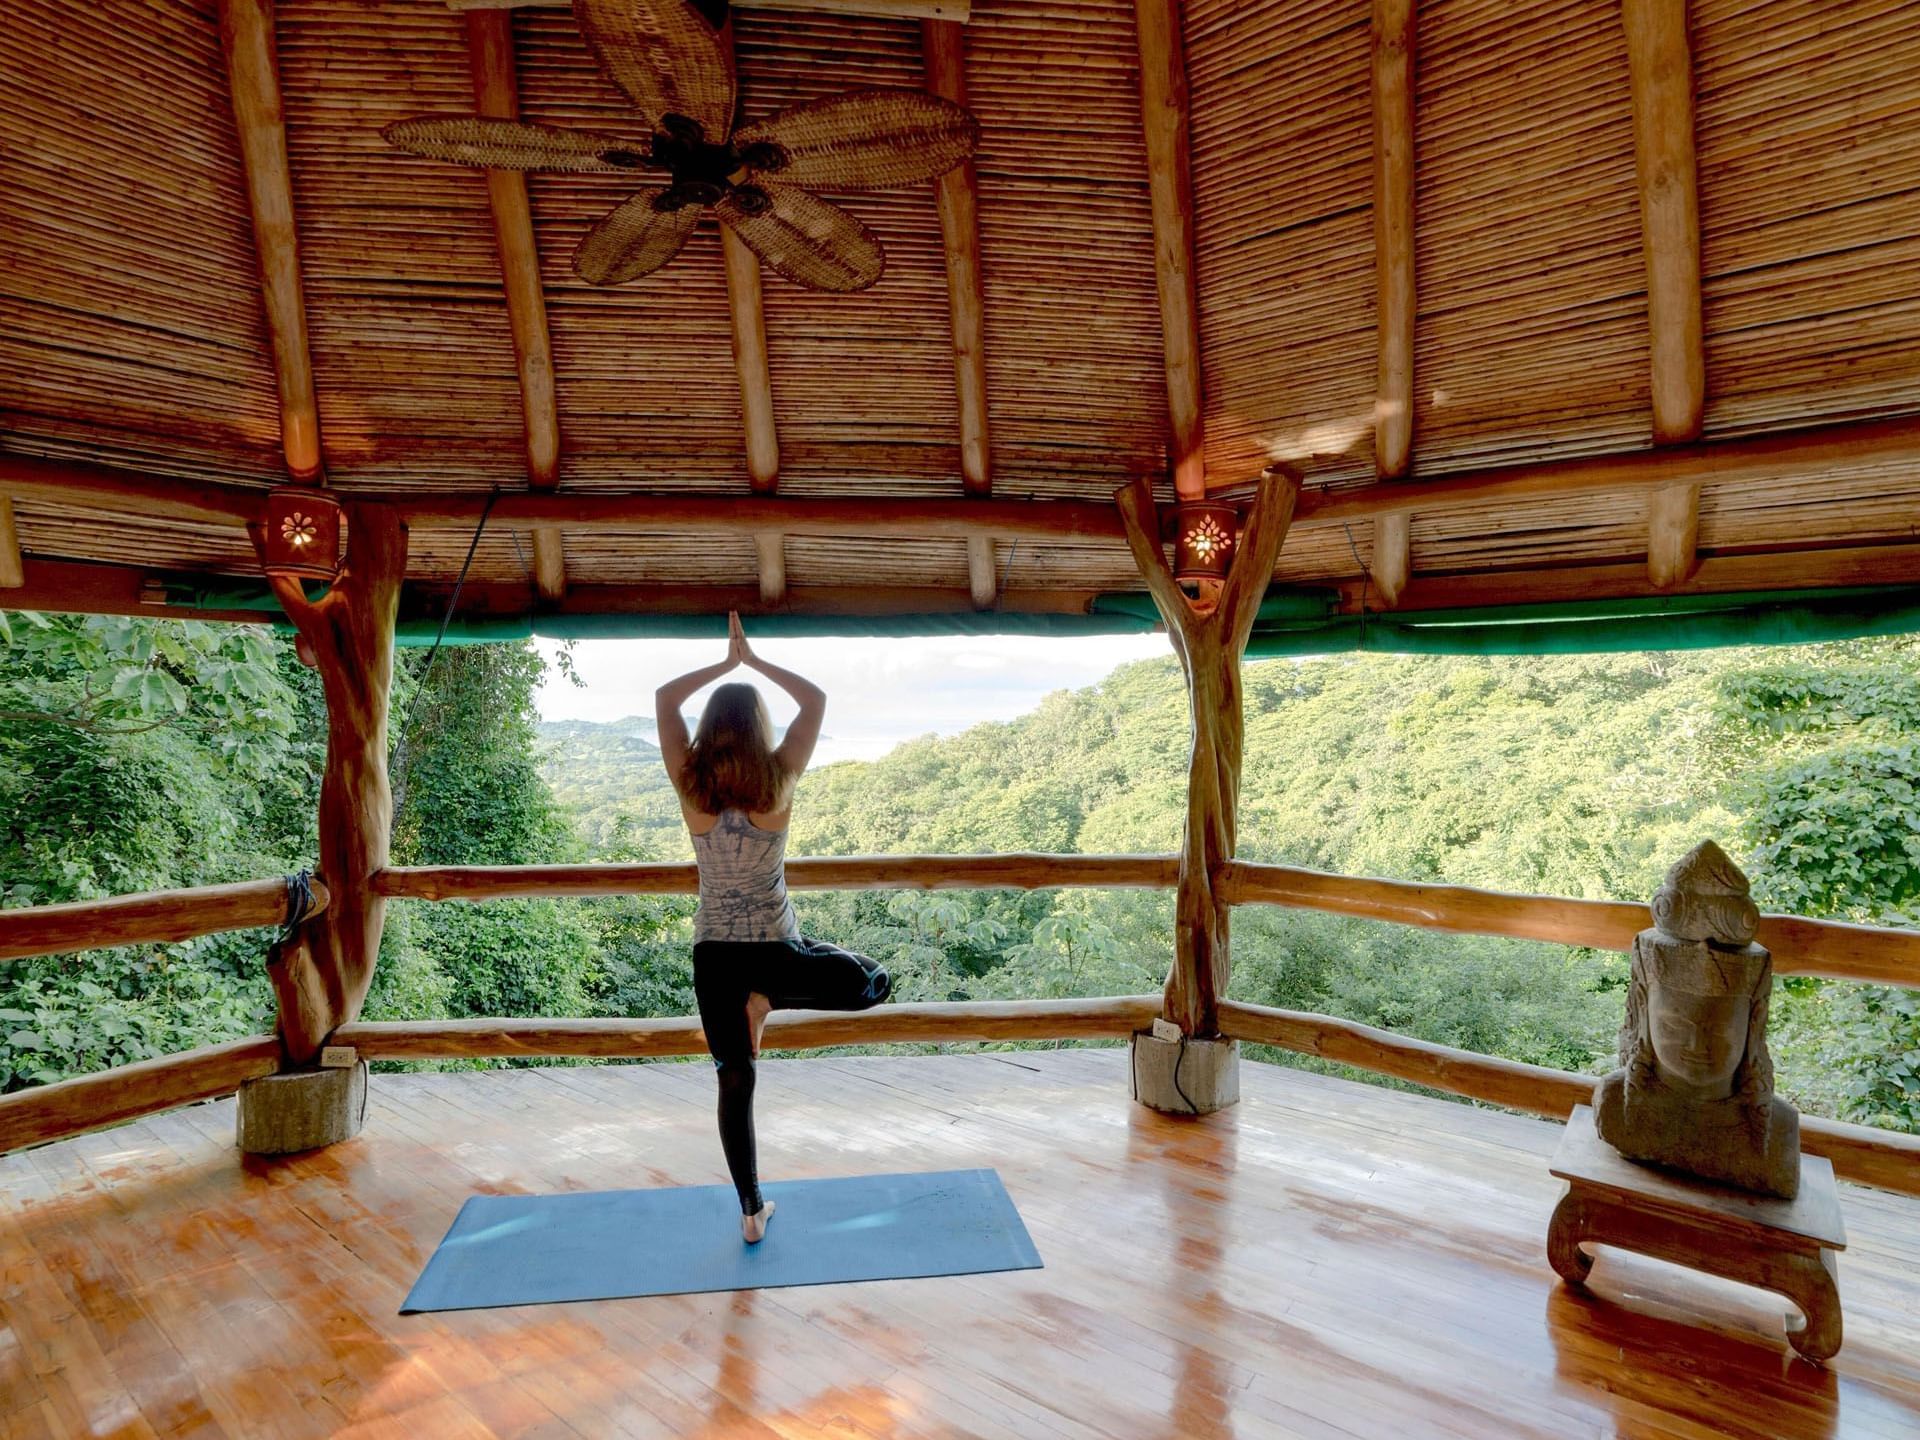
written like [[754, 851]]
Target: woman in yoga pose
[[749, 958]]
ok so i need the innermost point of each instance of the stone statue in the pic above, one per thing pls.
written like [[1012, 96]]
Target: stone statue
[[1695, 1091]]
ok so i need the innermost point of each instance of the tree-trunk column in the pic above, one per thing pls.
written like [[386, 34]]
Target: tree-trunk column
[[1209, 634], [322, 977]]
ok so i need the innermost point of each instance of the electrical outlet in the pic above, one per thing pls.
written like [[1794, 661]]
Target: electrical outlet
[[1165, 1030], [338, 1057]]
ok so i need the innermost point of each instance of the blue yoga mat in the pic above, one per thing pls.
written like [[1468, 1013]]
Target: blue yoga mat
[[602, 1245]]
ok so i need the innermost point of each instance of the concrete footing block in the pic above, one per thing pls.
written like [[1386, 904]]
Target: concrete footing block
[[1185, 1076], [301, 1109]]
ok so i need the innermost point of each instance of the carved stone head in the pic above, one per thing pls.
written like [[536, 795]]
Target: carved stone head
[[1705, 897]]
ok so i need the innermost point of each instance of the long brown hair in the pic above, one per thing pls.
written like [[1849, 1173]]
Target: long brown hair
[[731, 764]]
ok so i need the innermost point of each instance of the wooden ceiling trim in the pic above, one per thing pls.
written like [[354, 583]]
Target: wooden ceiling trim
[[253, 75], [943, 46], [12, 569], [958, 11], [1660, 63], [1393, 49], [1165, 106], [496, 93]]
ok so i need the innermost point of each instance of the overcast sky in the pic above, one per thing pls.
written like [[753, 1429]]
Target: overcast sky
[[879, 692]]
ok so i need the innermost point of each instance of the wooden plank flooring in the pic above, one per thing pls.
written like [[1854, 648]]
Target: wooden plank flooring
[[1327, 1259]]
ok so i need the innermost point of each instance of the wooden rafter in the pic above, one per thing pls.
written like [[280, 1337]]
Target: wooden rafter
[[1164, 111], [1661, 66], [943, 47], [1393, 62], [957, 10], [496, 93], [13, 572], [746, 310], [253, 75]]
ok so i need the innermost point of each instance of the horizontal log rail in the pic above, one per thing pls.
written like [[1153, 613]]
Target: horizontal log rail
[[87, 1102], [1108, 1017], [1830, 948], [1883, 1158], [826, 872], [154, 917]]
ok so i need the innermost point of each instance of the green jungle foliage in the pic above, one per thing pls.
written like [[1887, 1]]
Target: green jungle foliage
[[144, 755]]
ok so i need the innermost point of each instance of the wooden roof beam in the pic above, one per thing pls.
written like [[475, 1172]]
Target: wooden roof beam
[[1164, 108], [1393, 59], [13, 573], [496, 93], [1660, 63], [957, 10], [1792, 455], [943, 51], [253, 76]]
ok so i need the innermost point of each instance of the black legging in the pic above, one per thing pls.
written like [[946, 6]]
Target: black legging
[[794, 974]]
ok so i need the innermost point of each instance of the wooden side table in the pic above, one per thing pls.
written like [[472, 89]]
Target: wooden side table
[[1786, 1246]]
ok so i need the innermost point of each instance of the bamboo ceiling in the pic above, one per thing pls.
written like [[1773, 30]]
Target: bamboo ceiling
[[133, 334]]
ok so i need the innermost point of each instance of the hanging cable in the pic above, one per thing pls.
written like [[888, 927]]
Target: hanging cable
[[399, 766], [1366, 584]]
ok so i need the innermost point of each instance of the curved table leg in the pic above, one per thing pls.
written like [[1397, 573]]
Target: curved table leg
[[1564, 1233], [1813, 1285]]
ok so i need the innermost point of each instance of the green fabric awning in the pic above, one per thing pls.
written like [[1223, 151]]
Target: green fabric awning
[[1292, 622]]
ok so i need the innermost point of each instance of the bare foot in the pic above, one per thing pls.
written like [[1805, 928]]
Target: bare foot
[[758, 1008], [753, 1228]]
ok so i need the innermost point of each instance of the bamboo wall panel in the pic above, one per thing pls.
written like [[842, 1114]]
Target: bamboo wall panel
[[1809, 134], [594, 558], [1282, 188], [407, 319], [129, 297], [873, 370], [647, 390], [1076, 379], [134, 540], [1531, 337]]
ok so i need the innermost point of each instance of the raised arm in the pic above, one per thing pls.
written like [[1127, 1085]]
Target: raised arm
[[804, 733], [668, 699]]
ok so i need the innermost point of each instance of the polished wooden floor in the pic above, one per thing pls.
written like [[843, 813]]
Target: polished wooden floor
[[1326, 1260]]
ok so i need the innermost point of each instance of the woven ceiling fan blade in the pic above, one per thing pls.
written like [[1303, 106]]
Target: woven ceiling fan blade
[[667, 56], [868, 140], [509, 144], [809, 241], [635, 240]]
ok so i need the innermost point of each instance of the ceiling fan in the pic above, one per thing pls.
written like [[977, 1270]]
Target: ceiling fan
[[673, 62]]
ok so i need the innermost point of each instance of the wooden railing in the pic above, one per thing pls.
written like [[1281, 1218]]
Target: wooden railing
[[1802, 946], [154, 917]]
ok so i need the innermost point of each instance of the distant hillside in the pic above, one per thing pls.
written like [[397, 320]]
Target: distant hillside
[[607, 773]]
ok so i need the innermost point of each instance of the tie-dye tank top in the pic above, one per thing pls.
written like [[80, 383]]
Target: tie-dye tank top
[[743, 882]]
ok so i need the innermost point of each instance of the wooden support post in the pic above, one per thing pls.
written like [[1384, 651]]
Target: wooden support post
[[13, 570], [943, 49], [323, 973], [1660, 63], [496, 93], [1393, 59], [253, 75], [1164, 111], [1209, 637]]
